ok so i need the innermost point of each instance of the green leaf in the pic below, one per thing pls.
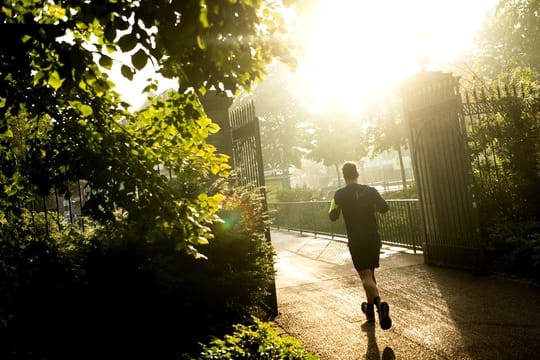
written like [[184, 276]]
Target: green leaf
[[121, 24], [200, 42], [81, 25], [106, 61], [139, 59], [150, 87], [7, 11], [86, 110], [203, 17], [202, 240], [110, 32], [126, 72], [127, 42], [54, 80]]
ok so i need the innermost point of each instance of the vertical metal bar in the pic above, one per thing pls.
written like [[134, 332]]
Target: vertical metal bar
[[69, 208], [58, 209], [32, 214], [80, 204], [410, 223], [46, 216]]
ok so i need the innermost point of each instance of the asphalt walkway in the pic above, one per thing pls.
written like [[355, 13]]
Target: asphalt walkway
[[437, 313]]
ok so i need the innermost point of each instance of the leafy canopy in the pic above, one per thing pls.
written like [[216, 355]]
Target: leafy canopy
[[61, 120], [509, 40]]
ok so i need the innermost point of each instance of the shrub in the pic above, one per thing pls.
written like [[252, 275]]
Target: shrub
[[111, 293], [297, 194], [260, 341], [514, 247], [409, 193]]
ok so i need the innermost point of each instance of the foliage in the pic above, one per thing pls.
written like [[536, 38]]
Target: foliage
[[335, 141], [104, 292], [504, 143], [336, 138], [409, 193], [387, 130], [507, 178], [506, 158], [297, 194], [257, 341], [509, 40], [281, 115], [514, 247], [123, 289], [62, 121]]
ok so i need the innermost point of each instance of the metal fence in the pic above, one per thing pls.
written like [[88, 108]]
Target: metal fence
[[503, 128], [58, 211], [400, 226]]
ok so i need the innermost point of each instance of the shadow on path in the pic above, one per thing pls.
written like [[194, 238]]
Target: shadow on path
[[473, 316], [372, 350]]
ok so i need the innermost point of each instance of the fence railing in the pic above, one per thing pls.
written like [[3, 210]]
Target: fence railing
[[503, 128], [61, 209], [400, 226]]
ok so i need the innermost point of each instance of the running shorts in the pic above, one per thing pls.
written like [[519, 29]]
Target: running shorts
[[365, 251]]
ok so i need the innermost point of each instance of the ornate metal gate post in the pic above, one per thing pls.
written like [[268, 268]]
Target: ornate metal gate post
[[438, 140], [248, 162]]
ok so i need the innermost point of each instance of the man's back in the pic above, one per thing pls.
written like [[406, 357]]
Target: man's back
[[358, 204]]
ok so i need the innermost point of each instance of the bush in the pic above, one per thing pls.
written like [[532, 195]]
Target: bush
[[297, 194], [260, 341], [110, 293], [409, 193], [514, 248]]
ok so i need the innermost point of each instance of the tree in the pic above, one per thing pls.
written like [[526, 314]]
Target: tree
[[336, 138], [387, 130], [509, 40], [61, 120], [281, 115], [508, 67]]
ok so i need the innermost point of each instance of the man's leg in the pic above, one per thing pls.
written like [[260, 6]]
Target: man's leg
[[372, 292], [370, 285]]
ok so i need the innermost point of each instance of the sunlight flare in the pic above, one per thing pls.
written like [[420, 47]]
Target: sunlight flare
[[354, 50]]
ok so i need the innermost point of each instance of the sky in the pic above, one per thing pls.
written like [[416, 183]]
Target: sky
[[362, 47]]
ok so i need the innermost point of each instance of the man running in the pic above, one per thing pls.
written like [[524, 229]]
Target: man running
[[358, 204]]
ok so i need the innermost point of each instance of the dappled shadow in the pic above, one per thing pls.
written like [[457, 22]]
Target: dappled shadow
[[372, 350]]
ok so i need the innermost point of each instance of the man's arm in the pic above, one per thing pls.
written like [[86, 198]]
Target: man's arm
[[380, 204], [334, 211]]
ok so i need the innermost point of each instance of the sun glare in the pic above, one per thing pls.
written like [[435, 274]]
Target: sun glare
[[354, 50]]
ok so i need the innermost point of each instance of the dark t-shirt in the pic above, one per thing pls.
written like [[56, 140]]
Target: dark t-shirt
[[358, 204]]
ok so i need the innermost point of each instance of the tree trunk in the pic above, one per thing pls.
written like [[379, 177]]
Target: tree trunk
[[338, 177], [402, 167]]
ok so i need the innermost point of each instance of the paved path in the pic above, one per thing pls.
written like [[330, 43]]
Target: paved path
[[437, 313]]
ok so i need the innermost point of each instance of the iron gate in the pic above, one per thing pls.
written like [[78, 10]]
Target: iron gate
[[248, 163], [438, 139]]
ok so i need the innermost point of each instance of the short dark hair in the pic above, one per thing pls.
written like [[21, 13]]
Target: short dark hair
[[349, 171]]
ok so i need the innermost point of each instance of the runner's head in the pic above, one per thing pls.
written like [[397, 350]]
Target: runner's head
[[349, 171]]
